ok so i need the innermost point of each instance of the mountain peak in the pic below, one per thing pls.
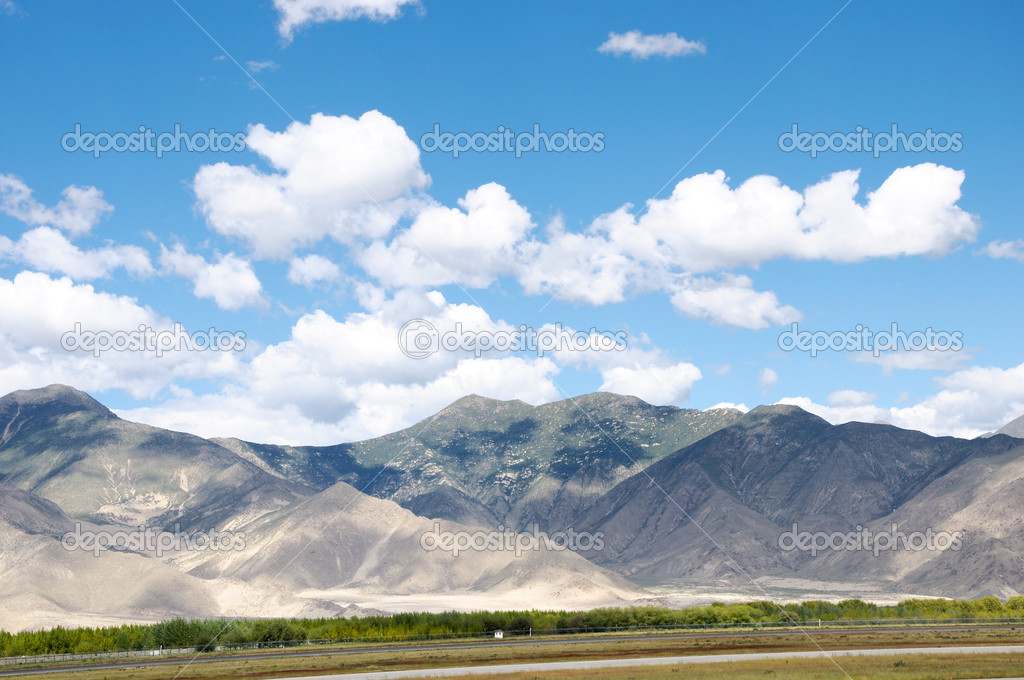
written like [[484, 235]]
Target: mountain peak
[[56, 397]]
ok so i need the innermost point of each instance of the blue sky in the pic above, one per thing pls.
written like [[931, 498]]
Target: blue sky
[[690, 233]]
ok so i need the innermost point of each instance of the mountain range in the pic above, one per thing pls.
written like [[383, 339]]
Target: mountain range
[[681, 501]]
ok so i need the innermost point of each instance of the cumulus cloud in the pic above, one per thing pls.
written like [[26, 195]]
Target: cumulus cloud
[[732, 301], [337, 177], [48, 250], [641, 46], [312, 269], [342, 379], [705, 225], [231, 282], [298, 13], [354, 180], [76, 213], [729, 405], [37, 311], [471, 246], [654, 384], [970, 402]]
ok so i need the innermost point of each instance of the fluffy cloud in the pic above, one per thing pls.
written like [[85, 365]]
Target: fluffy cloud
[[297, 13], [36, 313], [46, 249], [471, 247], [312, 269], [654, 384], [76, 213], [731, 301], [231, 282], [640, 46], [337, 177], [343, 379], [705, 225], [971, 402]]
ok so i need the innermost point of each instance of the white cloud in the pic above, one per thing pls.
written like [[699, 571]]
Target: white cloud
[[312, 269], [76, 213], [767, 379], [971, 402], [471, 247], [705, 225], [339, 380], [1005, 250], [728, 404], [731, 301], [297, 13], [35, 314], [337, 177], [640, 46], [231, 283], [46, 249], [654, 384]]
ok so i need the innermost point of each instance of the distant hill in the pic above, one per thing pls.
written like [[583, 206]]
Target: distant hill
[[777, 466], [681, 499], [62, 445], [489, 462]]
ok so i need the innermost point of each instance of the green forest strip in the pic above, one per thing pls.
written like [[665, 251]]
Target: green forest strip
[[208, 634]]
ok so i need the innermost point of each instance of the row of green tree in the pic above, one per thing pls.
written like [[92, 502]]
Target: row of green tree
[[206, 634]]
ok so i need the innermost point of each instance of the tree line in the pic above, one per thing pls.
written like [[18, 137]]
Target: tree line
[[206, 634]]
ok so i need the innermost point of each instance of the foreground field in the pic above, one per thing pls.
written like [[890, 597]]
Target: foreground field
[[911, 667], [297, 664]]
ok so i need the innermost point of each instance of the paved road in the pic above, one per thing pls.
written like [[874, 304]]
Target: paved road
[[658, 661], [139, 662]]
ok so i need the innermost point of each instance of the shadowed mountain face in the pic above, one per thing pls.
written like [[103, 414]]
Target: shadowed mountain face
[[718, 507], [63, 446], [482, 461]]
